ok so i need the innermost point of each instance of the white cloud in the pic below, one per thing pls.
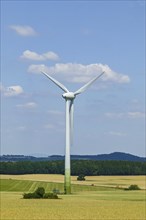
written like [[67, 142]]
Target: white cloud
[[37, 68], [1, 88], [55, 112], [23, 30], [49, 126], [21, 128], [115, 133], [132, 115], [136, 114], [79, 73], [30, 55], [54, 127], [28, 105], [114, 115], [11, 90]]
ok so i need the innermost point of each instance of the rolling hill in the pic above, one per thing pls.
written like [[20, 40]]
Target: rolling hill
[[112, 156]]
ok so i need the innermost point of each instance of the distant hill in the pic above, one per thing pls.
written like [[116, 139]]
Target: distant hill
[[111, 156], [119, 156]]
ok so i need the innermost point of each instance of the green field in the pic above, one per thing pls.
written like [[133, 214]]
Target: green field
[[103, 200]]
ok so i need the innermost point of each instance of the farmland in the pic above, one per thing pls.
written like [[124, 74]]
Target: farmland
[[96, 198]]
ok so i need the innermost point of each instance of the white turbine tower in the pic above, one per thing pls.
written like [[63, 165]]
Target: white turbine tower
[[69, 98]]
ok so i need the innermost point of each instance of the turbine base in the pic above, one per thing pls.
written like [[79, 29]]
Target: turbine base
[[67, 182]]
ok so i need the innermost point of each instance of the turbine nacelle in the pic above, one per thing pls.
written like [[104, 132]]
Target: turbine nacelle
[[69, 95]]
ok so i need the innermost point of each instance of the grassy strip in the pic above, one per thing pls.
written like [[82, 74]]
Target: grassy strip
[[11, 185]]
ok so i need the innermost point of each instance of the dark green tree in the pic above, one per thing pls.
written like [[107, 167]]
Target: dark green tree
[[81, 177]]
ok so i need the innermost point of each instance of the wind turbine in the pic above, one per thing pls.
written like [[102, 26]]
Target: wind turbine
[[69, 98]]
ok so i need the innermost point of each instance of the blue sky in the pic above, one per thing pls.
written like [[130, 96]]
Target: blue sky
[[73, 41]]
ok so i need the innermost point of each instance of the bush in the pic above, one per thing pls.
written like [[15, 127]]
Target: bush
[[28, 195], [50, 196], [40, 193], [133, 187], [81, 177]]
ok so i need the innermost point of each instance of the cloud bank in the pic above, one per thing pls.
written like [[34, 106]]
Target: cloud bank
[[80, 73], [30, 55], [23, 30], [120, 115], [28, 105], [116, 133], [11, 90]]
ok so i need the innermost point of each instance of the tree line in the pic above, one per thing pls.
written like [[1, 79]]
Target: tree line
[[85, 167]]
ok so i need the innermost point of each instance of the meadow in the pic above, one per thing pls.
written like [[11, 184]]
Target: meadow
[[99, 197]]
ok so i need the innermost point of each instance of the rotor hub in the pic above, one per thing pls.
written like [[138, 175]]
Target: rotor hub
[[69, 95]]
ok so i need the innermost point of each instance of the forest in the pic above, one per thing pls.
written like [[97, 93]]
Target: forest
[[85, 167]]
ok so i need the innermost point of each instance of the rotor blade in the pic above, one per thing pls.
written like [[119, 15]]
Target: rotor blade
[[71, 112], [61, 86], [82, 89]]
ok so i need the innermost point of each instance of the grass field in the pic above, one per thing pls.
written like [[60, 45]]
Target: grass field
[[108, 181], [103, 201]]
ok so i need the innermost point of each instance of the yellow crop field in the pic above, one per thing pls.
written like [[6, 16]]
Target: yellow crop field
[[73, 207], [109, 204]]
